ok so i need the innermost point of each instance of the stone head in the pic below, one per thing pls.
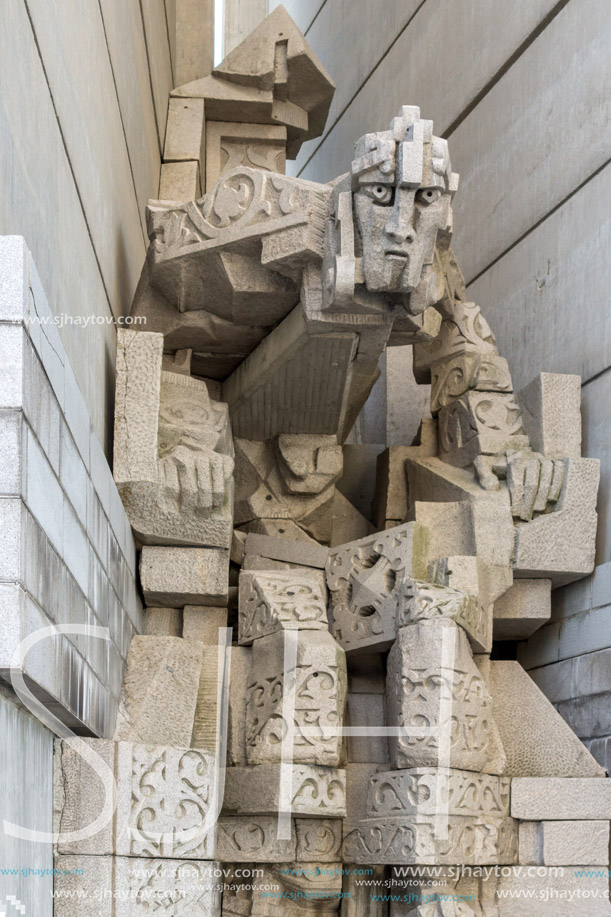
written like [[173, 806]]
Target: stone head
[[402, 186]]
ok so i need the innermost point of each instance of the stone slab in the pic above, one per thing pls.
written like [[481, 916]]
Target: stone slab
[[184, 137], [159, 693], [179, 181], [523, 609], [557, 799], [551, 414], [184, 576], [366, 712], [318, 792], [163, 622], [536, 740], [306, 553], [253, 839], [319, 840], [269, 602]]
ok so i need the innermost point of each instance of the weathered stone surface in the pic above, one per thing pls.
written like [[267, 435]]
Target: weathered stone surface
[[202, 622], [272, 601], [365, 579], [123, 886], [317, 885], [183, 492], [558, 799], [159, 668], [319, 840], [358, 900], [556, 895], [262, 489], [537, 741], [523, 609], [245, 839], [163, 796], [179, 181], [432, 683], [479, 423], [241, 659], [426, 601], [163, 622], [313, 791], [230, 144], [184, 138], [551, 411], [560, 545], [421, 791], [320, 697], [347, 523], [401, 841], [304, 552], [564, 843], [184, 576]]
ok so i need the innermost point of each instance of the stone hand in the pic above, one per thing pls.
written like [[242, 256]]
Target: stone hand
[[195, 480], [533, 481]]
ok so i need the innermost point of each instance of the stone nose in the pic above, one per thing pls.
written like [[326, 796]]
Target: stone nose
[[400, 228]]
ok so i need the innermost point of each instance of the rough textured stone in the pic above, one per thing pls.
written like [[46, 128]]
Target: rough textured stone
[[245, 839], [320, 697], [556, 895], [419, 791], [272, 601], [365, 579], [184, 576], [424, 691], [179, 181], [163, 622], [230, 144], [304, 552], [159, 668], [184, 137], [319, 840], [313, 791], [537, 741], [523, 609], [558, 799], [564, 843], [202, 622], [551, 410], [366, 712], [241, 660]]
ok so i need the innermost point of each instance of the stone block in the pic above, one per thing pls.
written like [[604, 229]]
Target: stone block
[[523, 609], [557, 894], [179, 181], [184, 576], [484, 840], [450, 527], [365, 579], [241, 660], [564, 843], [269, 602], [202, 622], [560, 799], [319, 698], [316, 792], [163, 622], [536, 740], [305, 552], [123, 886], [551, 413], [159, 693], [347, 523], [206, 728], [230, 144], [163, 796], [560, 545], [359, 900], [365, 713], [319, 840], [421, 791], [184, 138], [175, 477], [422, 689], [253, 839], [390, 501], [425, 601], [358, 777], [483, 423], [358, 480]]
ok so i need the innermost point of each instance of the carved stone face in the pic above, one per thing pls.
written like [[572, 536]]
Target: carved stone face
[[402, 189]]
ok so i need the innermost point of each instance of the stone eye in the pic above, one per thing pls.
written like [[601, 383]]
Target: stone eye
[[428, 196], [381, 194]]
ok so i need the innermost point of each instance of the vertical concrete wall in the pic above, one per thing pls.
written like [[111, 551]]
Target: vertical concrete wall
[[521, 91], [83, 110]]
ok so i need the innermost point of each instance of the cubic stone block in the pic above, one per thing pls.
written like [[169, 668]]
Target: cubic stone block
[[159, 668], [319, 699], [523, 609], [313, 791], [319, 840], [253, 839], [558, 799], [163, 622], [365, 578], [551, 412], [419, 791], [184, 576], [426, 693], [268, 602]]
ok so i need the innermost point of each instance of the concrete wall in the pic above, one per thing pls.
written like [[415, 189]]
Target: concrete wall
[[82, 123], [67, 555], [521, 91]]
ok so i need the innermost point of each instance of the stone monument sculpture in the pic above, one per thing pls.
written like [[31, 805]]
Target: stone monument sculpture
[[368, 723]]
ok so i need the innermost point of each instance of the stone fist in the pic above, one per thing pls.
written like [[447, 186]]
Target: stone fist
[[195, 480], [533, 481]]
